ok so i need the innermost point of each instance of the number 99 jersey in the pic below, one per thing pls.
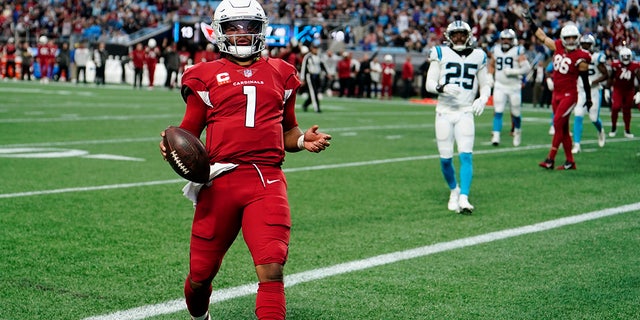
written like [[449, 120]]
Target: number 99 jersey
[[506, 61], [458, 68]]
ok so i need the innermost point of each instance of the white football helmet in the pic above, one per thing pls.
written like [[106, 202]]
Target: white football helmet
[[625, 55], [588, 42], [455, 27], [245, 19], [388, 58], [567, 32], [511, 39], [152, 43], [43, 40]]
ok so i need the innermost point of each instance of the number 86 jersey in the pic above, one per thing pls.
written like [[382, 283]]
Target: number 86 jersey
[[565, 68], [458, 68], [246, 110]]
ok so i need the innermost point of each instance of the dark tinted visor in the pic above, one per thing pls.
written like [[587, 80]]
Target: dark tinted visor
[[242, 26]]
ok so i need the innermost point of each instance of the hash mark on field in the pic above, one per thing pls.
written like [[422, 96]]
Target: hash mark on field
[[357, 265]]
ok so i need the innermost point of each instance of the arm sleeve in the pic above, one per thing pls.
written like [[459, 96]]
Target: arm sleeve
[[433, 74], [289, 120], [525, 67], [485, 84], [584, 75], [195, 115]]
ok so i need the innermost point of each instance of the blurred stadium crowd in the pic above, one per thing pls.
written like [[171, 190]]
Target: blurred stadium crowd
[[401, 27]]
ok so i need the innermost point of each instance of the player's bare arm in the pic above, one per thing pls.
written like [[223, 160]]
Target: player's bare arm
[[312, 140], [604, 75], [492, 64], [537, 31]]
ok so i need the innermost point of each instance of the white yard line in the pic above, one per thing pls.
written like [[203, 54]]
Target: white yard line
[[286, 170], [178, 305]]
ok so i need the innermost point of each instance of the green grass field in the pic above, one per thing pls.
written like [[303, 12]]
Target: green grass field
[[93, 222]]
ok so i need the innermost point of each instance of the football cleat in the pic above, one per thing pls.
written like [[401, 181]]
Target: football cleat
[[547, 164], [517, 137], [453, 200], [601, 137], [567, 166], [552, 130], [628, 134], [612, 134], [465, 206], [576, 148], [495, 138]]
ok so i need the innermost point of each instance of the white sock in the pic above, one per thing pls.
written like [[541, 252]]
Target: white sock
[[202, 317]]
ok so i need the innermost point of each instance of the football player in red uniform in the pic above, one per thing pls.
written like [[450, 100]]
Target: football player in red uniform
[[570, 62], [151, 57], [388, 72], [625, 72], [10, 58], [44, 57], [246, 103]]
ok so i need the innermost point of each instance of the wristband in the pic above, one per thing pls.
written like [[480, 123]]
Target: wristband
[[301, 142]]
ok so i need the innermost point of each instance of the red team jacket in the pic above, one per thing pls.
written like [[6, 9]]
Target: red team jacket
[[246, 110]]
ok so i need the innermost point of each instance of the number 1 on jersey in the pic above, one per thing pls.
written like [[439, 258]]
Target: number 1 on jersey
[[250, 118]]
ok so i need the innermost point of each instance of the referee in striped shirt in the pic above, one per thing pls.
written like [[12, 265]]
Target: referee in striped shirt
[[310, 72]]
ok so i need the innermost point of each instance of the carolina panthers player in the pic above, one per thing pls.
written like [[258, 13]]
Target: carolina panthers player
[[457, 72], [246, 103], [508, 64], [598, 75]]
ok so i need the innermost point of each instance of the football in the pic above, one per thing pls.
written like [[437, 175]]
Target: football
[[186, 154]]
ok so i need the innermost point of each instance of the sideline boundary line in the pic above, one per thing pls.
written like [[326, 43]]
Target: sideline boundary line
[[178, 305]]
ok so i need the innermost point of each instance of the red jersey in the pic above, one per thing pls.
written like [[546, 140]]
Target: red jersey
[[45, 54], [137, 57], [184, 58], [565, 68], [344, 68], [10, 51], [151, 57], [624, 76], [388, 71], [407, 71], [246, 110]]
